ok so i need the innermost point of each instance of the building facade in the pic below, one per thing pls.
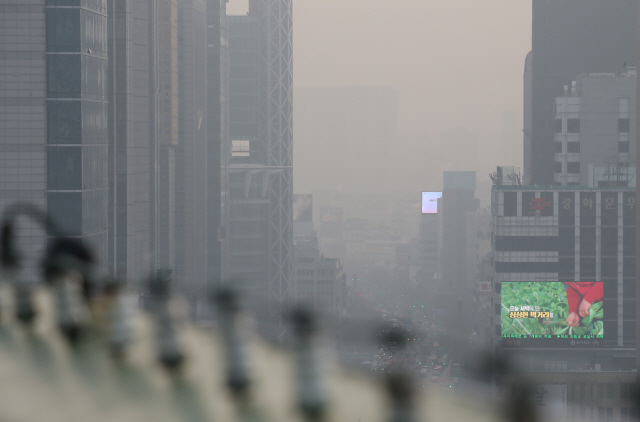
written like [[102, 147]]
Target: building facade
[[595, 131], [53, 106], [565, 45], [157, 139], [546, 238], [458, 199], [257, 253], [218, 138]]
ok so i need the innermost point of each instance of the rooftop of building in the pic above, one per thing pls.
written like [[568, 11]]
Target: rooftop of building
[[562, 188]]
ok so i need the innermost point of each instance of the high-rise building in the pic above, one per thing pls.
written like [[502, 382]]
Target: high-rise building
[[133, 131], [595, 131], [458, 199], [258, 202], [564, 275], [570, 37], [53, 105], [157, 131], [104, 117], [191, 166], [217, 134]]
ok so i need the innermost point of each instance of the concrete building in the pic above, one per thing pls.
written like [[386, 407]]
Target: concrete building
[[565, 44], [157, 134], [548, 236], [257, 253], [116, 141], [192, 186], [53, 103], [218, 137], [458, 199], [131, 130], [596, 130]]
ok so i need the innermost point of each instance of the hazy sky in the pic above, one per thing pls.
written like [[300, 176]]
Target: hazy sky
[[457, 65]]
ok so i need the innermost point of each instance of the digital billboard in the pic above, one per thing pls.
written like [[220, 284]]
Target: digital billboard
[[552, 310], [430, 202]]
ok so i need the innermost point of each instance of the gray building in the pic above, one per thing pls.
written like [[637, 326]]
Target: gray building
[[157, 131], [132, 131], [53, 130], [258, 202], [544, 238], [192, 184], [217, 134], [595, 131], [571, 37], [458, 199], [104, 124]]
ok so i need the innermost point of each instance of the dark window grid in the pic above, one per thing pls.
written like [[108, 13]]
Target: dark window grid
[[573, 147], [573, 167], [623, 125], [573, 125]]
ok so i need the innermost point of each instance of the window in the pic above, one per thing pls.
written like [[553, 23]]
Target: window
[[573, 125], [573, 167], [600, 390], [558, 147], [510, 204], [573, 146], [623, 146], [624, 391], [609, 391], [558, 126], [582, 393], [558, 167], [623, 125], [240, 149]]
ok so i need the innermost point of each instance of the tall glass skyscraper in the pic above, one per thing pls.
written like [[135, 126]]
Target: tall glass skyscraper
[[53, 129], [258, 222]]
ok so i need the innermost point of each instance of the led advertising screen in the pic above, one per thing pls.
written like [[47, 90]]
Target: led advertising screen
[[569, 312], [430, 202]]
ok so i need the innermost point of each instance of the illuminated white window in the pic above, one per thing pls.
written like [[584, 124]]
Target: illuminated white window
[[240, 149]]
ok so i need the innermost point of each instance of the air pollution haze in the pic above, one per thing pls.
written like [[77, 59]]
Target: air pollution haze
[[438, 77]]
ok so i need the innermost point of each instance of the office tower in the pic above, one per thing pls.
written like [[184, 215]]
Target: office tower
[[191, 188], [595, 131], [53, 144], [258, 224], [157, 132], [458, 199], [570, 37], [550, 244], [217, 133], [132, 138]]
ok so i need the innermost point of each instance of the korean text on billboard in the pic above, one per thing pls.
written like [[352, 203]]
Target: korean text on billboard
[[570, 310]]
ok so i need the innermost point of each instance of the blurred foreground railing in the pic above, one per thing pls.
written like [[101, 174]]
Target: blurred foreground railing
[[73, 349]]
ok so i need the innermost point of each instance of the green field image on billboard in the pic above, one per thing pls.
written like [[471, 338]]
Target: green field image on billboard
[[541, 308]]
